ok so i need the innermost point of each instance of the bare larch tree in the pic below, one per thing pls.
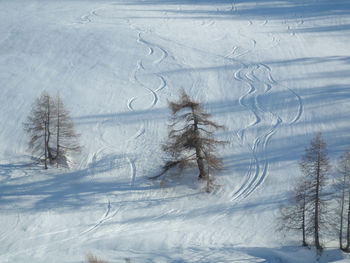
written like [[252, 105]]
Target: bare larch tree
[[294, 215], [39, 127], [191, 139], [343, 187], [66, 137], [51, 130], [315, 165]]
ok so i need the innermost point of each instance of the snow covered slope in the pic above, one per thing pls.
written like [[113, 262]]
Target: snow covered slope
[[273, 72]]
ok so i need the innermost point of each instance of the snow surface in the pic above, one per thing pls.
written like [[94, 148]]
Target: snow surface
[[274, 72]]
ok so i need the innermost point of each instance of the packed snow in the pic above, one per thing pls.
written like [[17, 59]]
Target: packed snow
[[273, 72]]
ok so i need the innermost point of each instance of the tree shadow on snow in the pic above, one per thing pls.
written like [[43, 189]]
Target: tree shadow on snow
[[9, 170], [291, 254], [66, 189], [249, 9], [235, 253], [72, 188]]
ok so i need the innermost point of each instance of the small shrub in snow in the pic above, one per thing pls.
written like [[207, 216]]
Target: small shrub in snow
[[93, 259]]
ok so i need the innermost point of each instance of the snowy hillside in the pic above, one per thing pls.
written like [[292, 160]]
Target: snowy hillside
[[274, 72]]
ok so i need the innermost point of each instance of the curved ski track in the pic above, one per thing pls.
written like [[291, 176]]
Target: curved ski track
[[152, 50], [85, 19], [259, 164], [104, 218], [108, 215], [258, 168], [139, 67]]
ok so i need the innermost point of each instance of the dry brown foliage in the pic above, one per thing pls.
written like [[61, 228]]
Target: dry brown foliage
[[191, 141], [93, 259]]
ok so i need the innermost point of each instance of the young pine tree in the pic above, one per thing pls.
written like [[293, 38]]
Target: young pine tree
[[315, 166], [191, 139]]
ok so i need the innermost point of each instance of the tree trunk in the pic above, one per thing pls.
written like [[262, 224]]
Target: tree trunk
[[317, 203], [48, 131], [199, 157], [347, 249], [45, 138], [202, 173], [58, 132], [342, 215], [303, 222]]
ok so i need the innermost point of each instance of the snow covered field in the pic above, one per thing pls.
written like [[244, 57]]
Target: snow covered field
[[274, 72]]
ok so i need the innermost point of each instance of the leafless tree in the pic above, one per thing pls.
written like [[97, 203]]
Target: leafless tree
[[66, 137], [51, 130], [39, 127], [191, 139], [343, 187], [294, 215], [315, 166]]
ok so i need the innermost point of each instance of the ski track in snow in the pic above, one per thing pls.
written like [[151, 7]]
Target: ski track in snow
[[151, 47], [300, 109], [151, 51], [139, 133], [258, 168], [106, 145], [131, 103], [106, 217], [132, 171], [165, 209], [135, 79], [85, 19], [162, 84]]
